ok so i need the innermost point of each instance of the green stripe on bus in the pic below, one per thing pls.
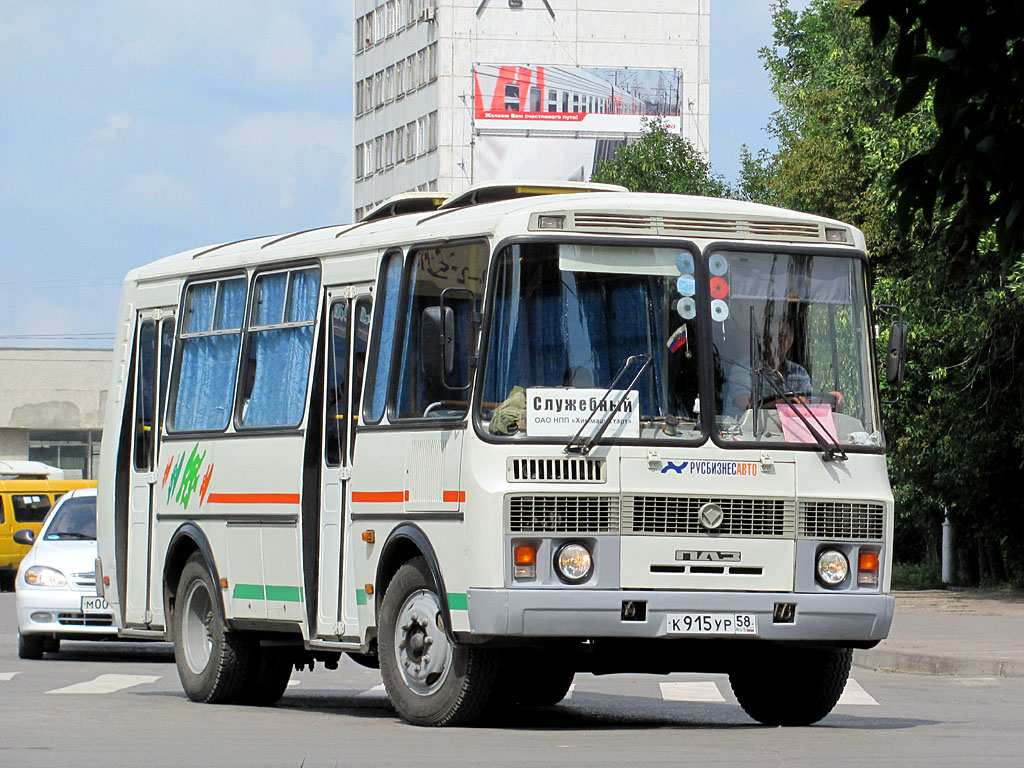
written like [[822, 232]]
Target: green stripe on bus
[[248, 592], [360, 597], [284, 594], [458, 601]]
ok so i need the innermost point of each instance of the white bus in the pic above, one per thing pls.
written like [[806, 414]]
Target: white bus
[[490, 446]]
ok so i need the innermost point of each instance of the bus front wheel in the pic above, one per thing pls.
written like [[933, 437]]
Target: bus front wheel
[[791, 686], [212, 661], [430, 680]]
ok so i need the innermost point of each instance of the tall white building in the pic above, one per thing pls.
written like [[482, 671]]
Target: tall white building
[[450, 93]]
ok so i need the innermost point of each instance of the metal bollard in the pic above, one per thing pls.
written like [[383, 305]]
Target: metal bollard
[[948, 554]]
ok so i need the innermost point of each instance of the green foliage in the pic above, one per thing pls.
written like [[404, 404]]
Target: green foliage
[[965, 62], [916, 576], [660, 161], [956, 436]]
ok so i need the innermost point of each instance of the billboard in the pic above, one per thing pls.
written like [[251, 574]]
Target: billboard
[[524, 97]]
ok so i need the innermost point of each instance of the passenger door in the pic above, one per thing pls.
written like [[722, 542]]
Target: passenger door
[[154, 338], [348, 323]]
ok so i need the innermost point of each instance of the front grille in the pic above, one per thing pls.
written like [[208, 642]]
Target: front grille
[[841, 520], [562, 514], [85, 620], [555, 470], [678, 515]]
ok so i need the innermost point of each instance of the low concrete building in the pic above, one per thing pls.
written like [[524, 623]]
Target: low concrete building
[[51, 406]]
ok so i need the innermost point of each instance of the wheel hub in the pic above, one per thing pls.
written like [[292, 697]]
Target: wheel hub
[[424, 653]]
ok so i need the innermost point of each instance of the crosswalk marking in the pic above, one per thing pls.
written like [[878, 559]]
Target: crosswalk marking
[[703, 690], [107, 684], [6, 676], [854, 695]]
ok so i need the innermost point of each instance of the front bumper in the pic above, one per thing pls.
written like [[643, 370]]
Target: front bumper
[[64, 607], [598, 613]]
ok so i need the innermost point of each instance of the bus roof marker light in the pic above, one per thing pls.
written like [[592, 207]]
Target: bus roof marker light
[[835, 235], [550, 222]]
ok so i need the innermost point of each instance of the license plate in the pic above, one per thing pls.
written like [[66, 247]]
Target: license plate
[[95, 605], [712, 624]]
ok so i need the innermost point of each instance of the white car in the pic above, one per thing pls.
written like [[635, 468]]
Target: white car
[[56, 583]]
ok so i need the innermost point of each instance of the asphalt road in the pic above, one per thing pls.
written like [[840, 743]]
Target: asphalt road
[[114, 704]]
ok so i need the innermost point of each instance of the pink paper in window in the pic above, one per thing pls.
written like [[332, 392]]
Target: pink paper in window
[[793, 428]]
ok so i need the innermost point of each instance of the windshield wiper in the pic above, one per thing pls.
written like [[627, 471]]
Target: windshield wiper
[[830, 449], [584, 446]]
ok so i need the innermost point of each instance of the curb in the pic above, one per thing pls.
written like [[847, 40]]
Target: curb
[[924, 664]]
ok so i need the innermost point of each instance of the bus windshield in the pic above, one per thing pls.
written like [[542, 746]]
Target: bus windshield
[[789, 359], [568, 316], [791, 334]]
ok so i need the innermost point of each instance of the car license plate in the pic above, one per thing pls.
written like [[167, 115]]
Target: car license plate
[[712, 624], [95, 605]]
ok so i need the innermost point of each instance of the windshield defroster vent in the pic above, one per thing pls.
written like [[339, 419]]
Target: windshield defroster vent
[[555, 470], [701, 226]]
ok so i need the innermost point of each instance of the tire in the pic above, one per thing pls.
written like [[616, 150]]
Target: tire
[[429, 680], [533, 678], [30, 646], [270, 669], [791, 686], [213, 662]]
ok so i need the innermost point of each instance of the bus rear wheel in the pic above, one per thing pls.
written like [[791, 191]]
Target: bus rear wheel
[[429, 679], [791, 686], [213, 662]]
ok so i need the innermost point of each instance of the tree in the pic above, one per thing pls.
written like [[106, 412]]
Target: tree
[[965, 61], [956, 438], [660, 161]]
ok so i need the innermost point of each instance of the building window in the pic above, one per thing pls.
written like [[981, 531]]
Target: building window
[[535, 99], [400, 144], [359, 161], [432, 130], [390, 15], [432, 61], [565, 101], [389, 84], [410, 140], [399, 79], [552, 101], [421, 135], [378, 154], [76, 451]]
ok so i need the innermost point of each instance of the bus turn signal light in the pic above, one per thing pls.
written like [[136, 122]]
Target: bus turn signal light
[[867, 569], [525, 559], [368, 537]]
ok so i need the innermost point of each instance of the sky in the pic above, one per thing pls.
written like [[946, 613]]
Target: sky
[[134, 129]]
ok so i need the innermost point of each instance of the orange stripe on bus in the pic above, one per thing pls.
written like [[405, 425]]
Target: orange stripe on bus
[[253, 498], [379, 497], [454, 496]]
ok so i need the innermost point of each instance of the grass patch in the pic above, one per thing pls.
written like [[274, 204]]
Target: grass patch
[[916, 576]]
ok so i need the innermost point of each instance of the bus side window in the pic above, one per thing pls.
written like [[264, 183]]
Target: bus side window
[[458, 272], [145, 379], [336, 413], [211, 332], [388, 289], [166, 346], [360, 343], [279, 346]]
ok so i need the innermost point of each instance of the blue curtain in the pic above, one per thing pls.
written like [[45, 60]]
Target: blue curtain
[[281, 355], [206, 381]]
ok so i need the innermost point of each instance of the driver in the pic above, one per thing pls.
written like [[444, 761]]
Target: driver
[[788, 376]]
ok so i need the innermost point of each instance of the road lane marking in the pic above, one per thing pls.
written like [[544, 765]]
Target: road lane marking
[[107, 684], [855, 696], [704, 690], [568, 694], [6, 676], [373, 692], [293, 682]]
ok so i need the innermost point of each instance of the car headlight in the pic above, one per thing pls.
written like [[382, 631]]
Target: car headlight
[[44, 576], [833, 567], [573, 563]]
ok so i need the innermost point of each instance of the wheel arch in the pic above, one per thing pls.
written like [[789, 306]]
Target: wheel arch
[[407, 542], [187, 540]]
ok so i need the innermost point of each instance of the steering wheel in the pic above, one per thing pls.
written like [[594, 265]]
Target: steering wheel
[[833, 399]]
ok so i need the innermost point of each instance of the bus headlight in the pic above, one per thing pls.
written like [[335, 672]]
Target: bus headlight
[[573, 563], [833, 567]]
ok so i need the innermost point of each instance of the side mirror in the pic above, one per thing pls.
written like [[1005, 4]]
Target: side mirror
[[437, 341], [896, 354], [26, 537]]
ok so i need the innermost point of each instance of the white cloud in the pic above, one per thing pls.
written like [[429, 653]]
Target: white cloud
[[116, 123], [155, 192]]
